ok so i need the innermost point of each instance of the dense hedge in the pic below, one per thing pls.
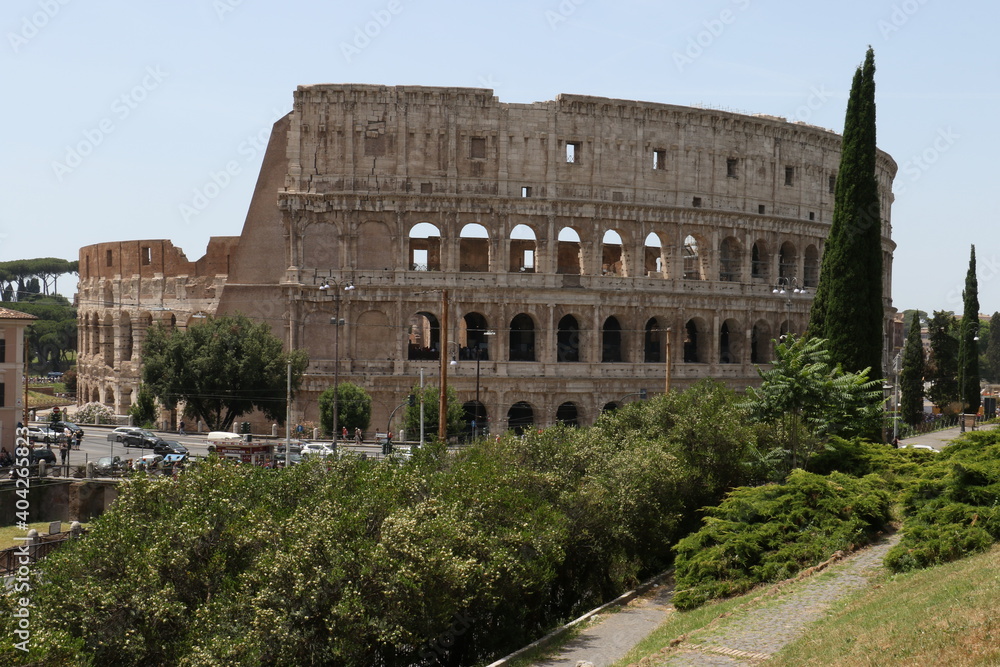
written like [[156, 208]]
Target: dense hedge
[[952, 509], [450, 558], [769, 533]]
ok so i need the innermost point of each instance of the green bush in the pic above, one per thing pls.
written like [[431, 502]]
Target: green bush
[[768, 533]]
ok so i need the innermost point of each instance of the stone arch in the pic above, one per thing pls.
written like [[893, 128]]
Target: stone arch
[[474, 248], [424, 339], [473, 337], [476, 418], [568, 339], [730, 342], [522, 338], [787, 259], [760, 343], [568, 414], [374, 246], [612, 348], [568, 252], [320, 246], [760, 261], [810, 266], [425, 247], [696, 341], [730, 259], [523, 249], [653, 262], [613, 256], [695, 259], [653, 342], [520, 417], [126, 336]]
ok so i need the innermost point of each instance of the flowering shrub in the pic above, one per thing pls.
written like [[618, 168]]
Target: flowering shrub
[[95, 413]]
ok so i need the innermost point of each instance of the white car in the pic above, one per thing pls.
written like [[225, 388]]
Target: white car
[[316, 449]]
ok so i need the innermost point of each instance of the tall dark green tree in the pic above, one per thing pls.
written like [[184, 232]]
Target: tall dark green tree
[[942, 369], [993, 348], [911, 380], [848, 310], [968, 347], [354, 408]]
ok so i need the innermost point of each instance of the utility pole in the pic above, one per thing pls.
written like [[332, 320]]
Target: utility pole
[[442, 354]]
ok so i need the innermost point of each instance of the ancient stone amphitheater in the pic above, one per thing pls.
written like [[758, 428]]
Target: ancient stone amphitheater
[[554, 259]]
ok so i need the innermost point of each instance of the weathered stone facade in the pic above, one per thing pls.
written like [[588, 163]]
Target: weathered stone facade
[[570, 236], [126, 286]]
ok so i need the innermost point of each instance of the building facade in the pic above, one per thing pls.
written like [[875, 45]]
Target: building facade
[[565, 255], [12, 370]]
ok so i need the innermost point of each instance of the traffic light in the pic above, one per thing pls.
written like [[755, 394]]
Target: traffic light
[[412, 399], [642, 394]]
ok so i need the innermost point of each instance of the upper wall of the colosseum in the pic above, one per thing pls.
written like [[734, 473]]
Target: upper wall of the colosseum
[[429, 140], [147, 258]]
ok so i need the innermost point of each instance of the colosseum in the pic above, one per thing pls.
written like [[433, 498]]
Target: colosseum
[[553, 259]]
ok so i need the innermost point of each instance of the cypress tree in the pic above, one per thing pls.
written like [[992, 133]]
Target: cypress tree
[[993, 348], [942, 371], [911, 381], [848, 310], [968, 348]]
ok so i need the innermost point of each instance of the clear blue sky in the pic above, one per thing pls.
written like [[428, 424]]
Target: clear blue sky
[[162, 95]]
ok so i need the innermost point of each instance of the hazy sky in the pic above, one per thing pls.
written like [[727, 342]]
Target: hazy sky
[[122, 117]]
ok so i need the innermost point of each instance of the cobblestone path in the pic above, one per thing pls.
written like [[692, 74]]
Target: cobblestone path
[[748, 638]]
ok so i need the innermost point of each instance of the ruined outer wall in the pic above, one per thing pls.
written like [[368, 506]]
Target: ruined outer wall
[[126, 286]]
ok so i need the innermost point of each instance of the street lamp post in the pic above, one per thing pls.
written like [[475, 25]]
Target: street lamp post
[[336, 321], [787, 287]]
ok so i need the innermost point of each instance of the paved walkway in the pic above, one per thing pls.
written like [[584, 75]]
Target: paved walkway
[[938, 439]]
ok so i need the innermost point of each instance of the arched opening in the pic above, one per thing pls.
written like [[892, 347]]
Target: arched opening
[[520, 418], [321, 247], [695, 342], [568, 252], [126, 337], [522, 249], [425, 247], [568, 339], [729, 343], [611, 341], [612, 257], [759, 261], [475, 419], [760, 343], [522, 338], [424, 340], [568, 414], [693, 261], [730, 259], [473, 337], [786, 260], [653, 342], [474, 248], [609, 407], [810, 268], [653, 262]]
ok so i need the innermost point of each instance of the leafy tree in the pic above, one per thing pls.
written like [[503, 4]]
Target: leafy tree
[[354, 408], [143, 410], [221, 369], [993, 348], [848, 309], [911, 380], [21, 278], [968, 350], [411, 418], [802, 389], [942, 367], [52, 338]]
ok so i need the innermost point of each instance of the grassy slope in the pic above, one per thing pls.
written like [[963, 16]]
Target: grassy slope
[[944, 615]]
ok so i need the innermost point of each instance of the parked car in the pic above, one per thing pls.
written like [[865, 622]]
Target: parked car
[[294, 459], [108, 465], [165, 447], [60, 427], [131, 436], [42, 454], [41, 433], [316, 449]]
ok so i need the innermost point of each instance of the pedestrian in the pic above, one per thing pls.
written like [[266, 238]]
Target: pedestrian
[[64, 452], [79, 437], [180, 428], [357, 436], [343, 433], [895, 443]]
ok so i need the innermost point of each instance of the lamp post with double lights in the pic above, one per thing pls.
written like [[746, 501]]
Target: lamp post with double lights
[[330, 284], [477, 351], [787, 287]]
